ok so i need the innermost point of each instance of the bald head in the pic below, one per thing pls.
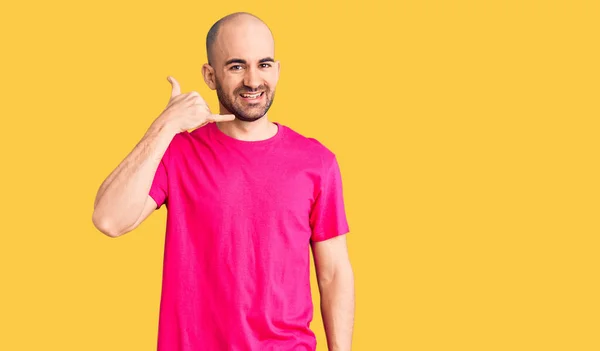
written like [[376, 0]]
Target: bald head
[[241, 66], [237, 25]]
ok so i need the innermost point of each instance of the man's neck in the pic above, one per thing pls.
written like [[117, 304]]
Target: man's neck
[[261, 129]]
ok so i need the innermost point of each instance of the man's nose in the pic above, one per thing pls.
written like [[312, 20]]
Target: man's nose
[[252, 78]]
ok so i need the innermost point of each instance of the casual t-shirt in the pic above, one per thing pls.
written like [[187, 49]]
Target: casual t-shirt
[[240, 219]]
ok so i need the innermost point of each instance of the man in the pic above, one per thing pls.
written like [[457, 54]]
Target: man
[[247, 199]]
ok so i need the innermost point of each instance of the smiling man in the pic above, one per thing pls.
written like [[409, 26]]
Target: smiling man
[[247, 199]]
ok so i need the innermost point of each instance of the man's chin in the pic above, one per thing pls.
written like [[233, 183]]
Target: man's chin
[[247, 118]]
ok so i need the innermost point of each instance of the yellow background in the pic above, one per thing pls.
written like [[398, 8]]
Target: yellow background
[[466, 131]]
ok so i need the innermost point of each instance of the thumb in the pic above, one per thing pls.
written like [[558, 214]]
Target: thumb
[[176, 89]]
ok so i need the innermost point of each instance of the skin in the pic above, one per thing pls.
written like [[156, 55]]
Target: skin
[[247, 42], [335, 279]]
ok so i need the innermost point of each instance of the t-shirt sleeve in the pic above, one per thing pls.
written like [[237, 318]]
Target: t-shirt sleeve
[[328, 215], [159, 188]]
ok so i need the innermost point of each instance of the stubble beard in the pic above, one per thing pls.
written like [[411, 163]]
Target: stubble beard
[[249, 114]]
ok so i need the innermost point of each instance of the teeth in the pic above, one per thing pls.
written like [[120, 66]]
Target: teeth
[[251, 96]]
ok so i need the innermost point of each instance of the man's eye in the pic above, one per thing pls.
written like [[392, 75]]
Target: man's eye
[[235, 67], [265, 65]]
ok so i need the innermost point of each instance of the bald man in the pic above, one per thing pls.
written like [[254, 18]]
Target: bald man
[[247, 199]]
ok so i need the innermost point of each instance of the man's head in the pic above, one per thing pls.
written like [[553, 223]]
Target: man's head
[[241, 66]]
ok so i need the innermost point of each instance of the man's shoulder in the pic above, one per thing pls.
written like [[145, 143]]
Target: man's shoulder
[[308, 144], [186, 138], [182, 142]]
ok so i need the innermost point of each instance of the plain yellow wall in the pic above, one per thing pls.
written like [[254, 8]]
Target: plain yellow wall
[[467, 136]]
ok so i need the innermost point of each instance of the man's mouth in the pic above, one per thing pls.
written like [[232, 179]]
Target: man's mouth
[[253, 96]]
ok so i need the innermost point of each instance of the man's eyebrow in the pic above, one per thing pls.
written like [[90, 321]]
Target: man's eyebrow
[[235, 60], [238, 60], [266, 59]]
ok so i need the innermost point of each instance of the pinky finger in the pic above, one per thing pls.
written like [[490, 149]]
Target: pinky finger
[[220, 118]]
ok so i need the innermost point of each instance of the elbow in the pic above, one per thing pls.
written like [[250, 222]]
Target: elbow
[[340, 275], [105, 226]]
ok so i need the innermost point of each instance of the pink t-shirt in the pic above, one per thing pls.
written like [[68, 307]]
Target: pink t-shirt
[[240, 218]]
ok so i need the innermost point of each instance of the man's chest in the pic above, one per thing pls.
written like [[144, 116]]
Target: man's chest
[[278, 187]]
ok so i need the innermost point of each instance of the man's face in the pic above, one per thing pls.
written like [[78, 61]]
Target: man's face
[[245, 71]]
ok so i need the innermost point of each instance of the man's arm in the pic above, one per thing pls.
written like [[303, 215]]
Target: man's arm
[[336, 286], [122, 200]]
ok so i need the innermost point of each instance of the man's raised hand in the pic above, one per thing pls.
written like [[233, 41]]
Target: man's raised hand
[[189, 111]]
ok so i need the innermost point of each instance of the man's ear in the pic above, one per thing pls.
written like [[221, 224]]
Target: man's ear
[[209, 76]]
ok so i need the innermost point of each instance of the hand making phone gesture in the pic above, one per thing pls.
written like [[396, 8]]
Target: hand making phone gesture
[[189, 111]]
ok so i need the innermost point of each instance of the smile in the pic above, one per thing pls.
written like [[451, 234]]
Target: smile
[[252, 96]]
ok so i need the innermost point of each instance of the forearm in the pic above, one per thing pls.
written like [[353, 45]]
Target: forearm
[[337, 309], [121, 197]]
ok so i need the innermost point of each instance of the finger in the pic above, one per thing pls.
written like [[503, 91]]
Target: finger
[[176, 89], [195, 98], [220, 118]]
